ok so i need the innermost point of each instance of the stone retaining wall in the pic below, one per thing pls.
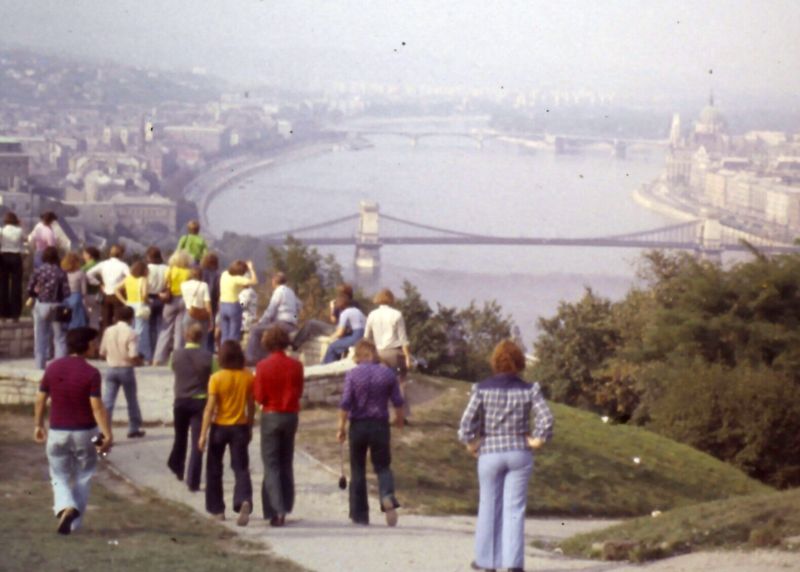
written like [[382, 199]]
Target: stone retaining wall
[[16, 339], [17, 391]]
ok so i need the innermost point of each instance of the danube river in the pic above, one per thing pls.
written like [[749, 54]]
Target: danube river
[[452, 182]]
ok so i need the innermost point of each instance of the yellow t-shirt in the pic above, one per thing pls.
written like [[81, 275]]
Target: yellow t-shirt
[[176, 276], [133, 289], [232, 388], [230, 286]]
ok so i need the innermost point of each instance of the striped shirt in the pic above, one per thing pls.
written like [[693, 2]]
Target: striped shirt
[[499, 413]]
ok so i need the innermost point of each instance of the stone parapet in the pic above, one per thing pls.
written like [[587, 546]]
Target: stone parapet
[[16, 339]]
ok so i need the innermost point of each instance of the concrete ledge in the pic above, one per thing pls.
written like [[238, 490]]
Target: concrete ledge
[[19, 382], [16, 339]]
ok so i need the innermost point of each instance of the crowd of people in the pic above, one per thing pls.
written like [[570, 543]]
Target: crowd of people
[[192, 316]]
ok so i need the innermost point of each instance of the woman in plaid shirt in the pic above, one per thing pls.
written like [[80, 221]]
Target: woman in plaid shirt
[[495, 428]]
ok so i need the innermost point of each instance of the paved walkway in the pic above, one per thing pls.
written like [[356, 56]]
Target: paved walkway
[[319, 535]]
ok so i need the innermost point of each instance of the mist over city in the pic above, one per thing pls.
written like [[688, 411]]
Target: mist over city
[[572, 225]]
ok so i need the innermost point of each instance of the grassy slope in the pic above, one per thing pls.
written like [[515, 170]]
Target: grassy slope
[[760, 520], [586, 470], [125, 529]]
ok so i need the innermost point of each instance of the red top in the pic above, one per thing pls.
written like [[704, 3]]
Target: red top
[[279, 383], [71, 381]]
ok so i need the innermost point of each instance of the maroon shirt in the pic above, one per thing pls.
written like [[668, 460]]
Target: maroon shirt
[[71, 381], [278, 385]]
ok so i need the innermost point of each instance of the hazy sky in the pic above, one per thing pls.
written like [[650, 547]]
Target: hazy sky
[[625, 45]]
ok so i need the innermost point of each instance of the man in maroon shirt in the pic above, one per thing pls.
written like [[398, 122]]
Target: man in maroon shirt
[[277, 387], [73, 387]]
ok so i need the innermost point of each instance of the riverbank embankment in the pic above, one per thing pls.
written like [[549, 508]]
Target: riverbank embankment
[[223, 175]]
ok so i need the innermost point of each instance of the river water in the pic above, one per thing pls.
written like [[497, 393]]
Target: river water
[[452, 182]]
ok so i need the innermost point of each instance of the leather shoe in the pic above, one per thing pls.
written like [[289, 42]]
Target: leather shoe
[[65, 523], [136, 434]]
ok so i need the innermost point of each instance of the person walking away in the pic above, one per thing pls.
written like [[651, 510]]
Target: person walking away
[[228, 423], [198, 302], [278, 387], [48, 287], [237, 277], [192, 243], [11, 267], [133, 293], [349, 330], [109, 273], [76, 301], [368, 389], [119, 347], [211, 275], [192, 366], [43, 236], [171, 335], [156, 284], [91, 258], [386, 328], [283, 310], [73, 388], [496, 427]]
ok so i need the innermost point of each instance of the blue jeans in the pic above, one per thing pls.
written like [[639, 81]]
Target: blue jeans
[[72, 459], [500, 533], [125, 377], [142, 328], [46, 330], [230, 321], [338, 348]]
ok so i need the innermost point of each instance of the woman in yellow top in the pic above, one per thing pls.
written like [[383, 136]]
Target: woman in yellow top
[[231, 406], [171, 334], [132, 291], [237, 277]]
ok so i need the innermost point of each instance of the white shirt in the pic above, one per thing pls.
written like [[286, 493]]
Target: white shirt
[[283, 306], [386, 327], [195, 293], [156, 277], [11, 239], [111, 271]]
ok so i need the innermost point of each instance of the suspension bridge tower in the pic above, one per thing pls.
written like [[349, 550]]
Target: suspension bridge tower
[[710, 240], [368, 244]]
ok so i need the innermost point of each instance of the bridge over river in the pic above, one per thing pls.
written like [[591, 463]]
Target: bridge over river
[[369, 230]]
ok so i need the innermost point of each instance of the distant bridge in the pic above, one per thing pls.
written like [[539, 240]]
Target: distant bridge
[[369, 230], [560, 143]]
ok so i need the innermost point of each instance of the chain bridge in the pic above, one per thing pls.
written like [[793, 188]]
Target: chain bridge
[[369, 230]]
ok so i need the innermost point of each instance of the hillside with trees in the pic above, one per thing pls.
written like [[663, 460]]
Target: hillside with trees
[[702, 354]]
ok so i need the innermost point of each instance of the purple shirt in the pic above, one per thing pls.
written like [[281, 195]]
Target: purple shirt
[[49, 283], [368, 388]]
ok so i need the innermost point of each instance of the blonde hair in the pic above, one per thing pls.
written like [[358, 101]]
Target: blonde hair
[[71, 262], [180, 259], [385, 296]]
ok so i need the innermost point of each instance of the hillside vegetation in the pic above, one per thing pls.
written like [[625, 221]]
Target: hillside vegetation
[[703, 354], [588, 469], [754, 521]]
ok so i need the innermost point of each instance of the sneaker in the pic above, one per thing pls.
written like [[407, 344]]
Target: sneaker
[[244, 514], [67, 516], [136, 434], [390, 511]]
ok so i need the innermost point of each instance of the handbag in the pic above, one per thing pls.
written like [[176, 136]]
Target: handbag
[[196, 313], [142, 311]]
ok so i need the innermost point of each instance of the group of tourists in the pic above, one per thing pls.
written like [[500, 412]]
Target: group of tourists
[[192, 316]]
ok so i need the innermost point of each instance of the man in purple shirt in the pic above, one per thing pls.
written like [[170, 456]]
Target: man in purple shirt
[[73, 387], [368, 389]]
